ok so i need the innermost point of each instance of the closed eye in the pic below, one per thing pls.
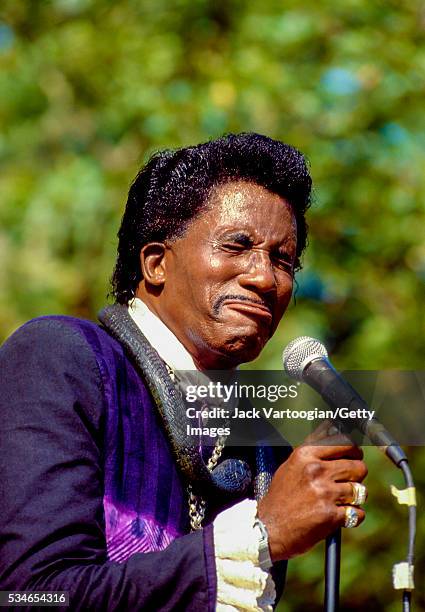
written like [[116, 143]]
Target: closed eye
[[283, 261], [238, 242], [233, 246]]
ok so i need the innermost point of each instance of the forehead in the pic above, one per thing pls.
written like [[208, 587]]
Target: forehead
[[244, 205]]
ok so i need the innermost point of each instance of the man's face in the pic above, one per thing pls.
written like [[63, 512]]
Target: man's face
[[228, 280]]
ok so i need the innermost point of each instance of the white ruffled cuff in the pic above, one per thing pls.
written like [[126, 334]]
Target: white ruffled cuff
[[241, 583]]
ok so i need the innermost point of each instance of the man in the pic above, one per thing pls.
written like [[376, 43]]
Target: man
[[96, 470]]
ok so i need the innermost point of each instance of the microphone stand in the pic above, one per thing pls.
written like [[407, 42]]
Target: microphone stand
[[332, 571]]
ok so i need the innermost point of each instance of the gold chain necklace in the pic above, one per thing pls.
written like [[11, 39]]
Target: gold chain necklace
[[197, 504]]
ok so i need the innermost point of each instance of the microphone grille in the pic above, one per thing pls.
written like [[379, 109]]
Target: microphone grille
[[299, 353]]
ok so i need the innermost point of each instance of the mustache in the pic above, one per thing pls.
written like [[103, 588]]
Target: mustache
[[240, 298]]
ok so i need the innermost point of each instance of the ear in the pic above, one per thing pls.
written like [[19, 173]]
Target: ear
[[152, 261]]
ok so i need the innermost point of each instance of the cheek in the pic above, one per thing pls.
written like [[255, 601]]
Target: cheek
[[216, 264], [216, 279], [285, 292], [203, 280], [224, 267], [217, 271]]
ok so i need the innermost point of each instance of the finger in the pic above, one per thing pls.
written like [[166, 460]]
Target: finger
[[344, 494], [341, 512], [325, 429], [343, 470], [335, 447]]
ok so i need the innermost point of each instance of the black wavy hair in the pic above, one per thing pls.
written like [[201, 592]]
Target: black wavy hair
[[174, 187]]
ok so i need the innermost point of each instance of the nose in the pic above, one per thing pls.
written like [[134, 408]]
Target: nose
[[259, 274]]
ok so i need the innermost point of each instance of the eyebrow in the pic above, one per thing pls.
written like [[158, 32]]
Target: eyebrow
[[245, 239]]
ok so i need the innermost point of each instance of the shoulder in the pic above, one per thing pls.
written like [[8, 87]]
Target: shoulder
[[68, 343], [69, 353], [46, 338], [56, 334], [48, 370], [54, 344]]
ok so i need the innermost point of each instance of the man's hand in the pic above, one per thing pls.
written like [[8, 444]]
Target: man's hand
[[308, 494]]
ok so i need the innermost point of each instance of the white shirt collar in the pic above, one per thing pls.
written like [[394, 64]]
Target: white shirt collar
[[169, 348]]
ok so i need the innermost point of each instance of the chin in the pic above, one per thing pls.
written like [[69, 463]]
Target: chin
[[243, 348]]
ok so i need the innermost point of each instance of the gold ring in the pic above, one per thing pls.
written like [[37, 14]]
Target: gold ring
[[359, 494], [351, 517]]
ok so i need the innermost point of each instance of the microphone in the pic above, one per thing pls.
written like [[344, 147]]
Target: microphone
[[306, 359]]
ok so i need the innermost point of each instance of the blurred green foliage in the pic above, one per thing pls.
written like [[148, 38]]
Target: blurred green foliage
[[89, 88]]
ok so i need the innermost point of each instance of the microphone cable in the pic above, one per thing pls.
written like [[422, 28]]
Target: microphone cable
[[403, 577]]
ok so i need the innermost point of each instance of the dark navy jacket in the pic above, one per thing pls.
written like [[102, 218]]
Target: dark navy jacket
[[91, 499]]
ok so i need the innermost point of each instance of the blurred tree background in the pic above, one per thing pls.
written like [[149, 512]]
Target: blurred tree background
[[90, 88]]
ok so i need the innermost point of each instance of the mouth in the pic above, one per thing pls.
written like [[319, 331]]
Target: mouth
[[250, 307]]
